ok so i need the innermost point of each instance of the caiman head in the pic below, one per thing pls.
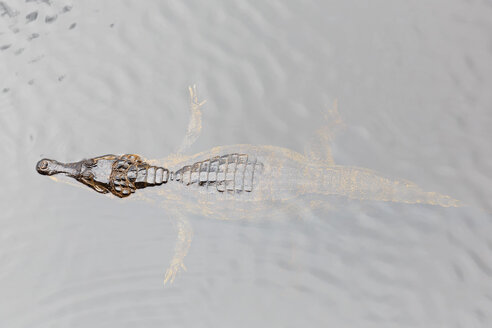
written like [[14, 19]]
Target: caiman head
[[108, 173]]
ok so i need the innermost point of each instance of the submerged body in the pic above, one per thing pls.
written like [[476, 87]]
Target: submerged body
[[240, 173], [237, 180]]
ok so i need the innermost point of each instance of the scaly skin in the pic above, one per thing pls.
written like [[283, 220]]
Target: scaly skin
[[228, 179]]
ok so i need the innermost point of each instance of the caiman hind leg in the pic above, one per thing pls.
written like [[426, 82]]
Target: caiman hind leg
[[183, 243], [195, 123], [319, 147]]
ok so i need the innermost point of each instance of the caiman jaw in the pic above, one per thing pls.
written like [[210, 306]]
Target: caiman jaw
[[51, 167]]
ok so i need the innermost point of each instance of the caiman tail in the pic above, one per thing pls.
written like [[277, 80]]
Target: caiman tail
[[363, 184]]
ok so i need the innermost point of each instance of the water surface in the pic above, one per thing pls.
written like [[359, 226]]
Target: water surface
[[412, 81]]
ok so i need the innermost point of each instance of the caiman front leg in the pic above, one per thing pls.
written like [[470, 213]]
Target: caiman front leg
[[195, 123], [183, 243], [192, 133]]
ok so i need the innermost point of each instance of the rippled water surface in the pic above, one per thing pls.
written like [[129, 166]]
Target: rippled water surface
[[85, 78]]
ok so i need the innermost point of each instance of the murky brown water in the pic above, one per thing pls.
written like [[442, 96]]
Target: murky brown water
[[412, 81]]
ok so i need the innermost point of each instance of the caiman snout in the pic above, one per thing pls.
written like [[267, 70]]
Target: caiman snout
[[50, 167]]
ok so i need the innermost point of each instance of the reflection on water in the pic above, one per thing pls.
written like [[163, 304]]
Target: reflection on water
[[321, 248]]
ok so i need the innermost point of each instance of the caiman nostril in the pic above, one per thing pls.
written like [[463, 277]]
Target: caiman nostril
[[42, 166]]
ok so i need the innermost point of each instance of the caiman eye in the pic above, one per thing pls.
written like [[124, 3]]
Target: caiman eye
[[89, 162]]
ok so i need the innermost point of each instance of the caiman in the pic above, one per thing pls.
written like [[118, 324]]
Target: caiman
[[225, 180]]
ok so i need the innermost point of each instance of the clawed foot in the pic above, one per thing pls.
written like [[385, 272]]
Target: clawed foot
[[173, 269], [185, 234], [195, 105]]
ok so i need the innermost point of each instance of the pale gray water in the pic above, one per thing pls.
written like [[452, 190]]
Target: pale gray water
[[413, 81]]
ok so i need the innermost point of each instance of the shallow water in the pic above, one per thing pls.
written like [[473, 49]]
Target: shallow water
[[79, 80]]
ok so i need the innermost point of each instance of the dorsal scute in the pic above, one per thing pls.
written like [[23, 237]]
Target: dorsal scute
[[232, 172], [123, 184], [129, 172]]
